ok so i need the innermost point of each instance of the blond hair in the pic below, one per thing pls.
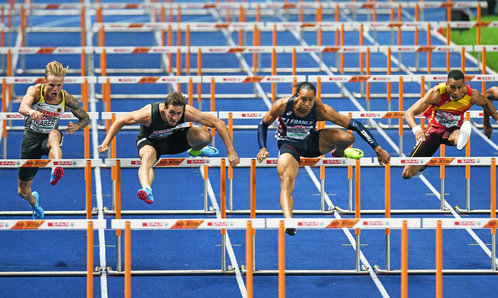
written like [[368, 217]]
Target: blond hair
[[55, 69]]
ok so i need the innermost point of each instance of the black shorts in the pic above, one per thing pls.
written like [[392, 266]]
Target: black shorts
[[308, 147], [33, 146], [172, 144], [434, 137]]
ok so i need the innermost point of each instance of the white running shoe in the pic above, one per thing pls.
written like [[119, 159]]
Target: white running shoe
[[465, 131]]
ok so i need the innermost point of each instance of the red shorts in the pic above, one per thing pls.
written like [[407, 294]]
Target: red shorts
[[434, 136]]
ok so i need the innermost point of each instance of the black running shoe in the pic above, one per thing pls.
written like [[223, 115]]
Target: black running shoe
[[290, 231]]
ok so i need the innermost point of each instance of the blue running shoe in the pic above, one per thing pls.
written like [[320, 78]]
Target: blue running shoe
[[145, 194], [56, 175], [38, 212], [208, 151]]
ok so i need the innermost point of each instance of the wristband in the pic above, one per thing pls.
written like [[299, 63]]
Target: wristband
[[31, 112], [416, 129]]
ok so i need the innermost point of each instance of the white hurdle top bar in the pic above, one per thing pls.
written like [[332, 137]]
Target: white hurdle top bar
[[452, 223], [64, 116], [353, 223], [184, 162], [48, 163], [55, 224], [187, 224]]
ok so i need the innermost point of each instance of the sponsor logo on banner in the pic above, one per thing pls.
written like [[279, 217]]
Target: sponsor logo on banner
[[126, 80], [27, 224], [8, 163], [135, 25], [64, 163], [250, 115], [440, 161], [136, 162], [439, 78], [187, 224], [394, 115], [468, 161], [308, 161], [370, 115], [466, 223], [45, 50], [154, 224], [484, 78], [333, 162], [253, 79], [141, 50], [271, 162], [411, 161], [236, 50], [63, 224], [36, 163], [425, 49], [118, 50], [14, 116], [309, 224], [375, 223], [221, 26], [219, 224], [197, 161], [169, 162], [359, 78], [331, 49], [148, 80], [342, 223], [232, 79], [492, 223], [381, 79]]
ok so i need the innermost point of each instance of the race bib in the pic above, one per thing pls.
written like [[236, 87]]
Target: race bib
[[447, 119]]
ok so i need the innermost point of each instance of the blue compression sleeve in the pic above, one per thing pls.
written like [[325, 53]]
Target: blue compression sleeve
[[262, 133], [363, 132]]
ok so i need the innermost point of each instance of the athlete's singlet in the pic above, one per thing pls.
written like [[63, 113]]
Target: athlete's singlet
[[293, 128], [51, 114], [448, 113], [159, 128]]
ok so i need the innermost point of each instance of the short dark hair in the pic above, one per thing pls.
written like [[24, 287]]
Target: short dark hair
[[305, 85], [456, 74], [175, 99]]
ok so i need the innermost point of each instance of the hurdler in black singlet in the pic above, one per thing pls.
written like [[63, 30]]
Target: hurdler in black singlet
[[165, 138]]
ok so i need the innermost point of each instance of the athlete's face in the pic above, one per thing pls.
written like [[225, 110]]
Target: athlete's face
[[456, 89], [173, 114], [305, 101], [53, 87]]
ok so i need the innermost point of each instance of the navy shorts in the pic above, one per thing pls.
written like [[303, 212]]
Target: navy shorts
[[172, 144], [308, 147]]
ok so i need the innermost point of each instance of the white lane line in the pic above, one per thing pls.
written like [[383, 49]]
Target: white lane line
[[231, 254]]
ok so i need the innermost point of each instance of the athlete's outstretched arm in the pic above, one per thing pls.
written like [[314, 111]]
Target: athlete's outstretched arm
[[193, 114], [142, 116], [326, 112], [275, 111], [73, 105]]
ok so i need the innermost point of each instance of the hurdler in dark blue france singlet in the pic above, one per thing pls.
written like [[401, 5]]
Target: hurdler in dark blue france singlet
[[292, 128]]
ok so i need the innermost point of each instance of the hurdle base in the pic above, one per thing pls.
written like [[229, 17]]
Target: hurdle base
[[171, 272], [46, 273], [395, 211], [309, 272], [107, 211], [433, 271], [472, 211]]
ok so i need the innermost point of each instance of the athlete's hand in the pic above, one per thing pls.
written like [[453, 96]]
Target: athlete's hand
[[35, 115], [263, 154], [71, 127], [233, 159], [382, 155], [419, 137], [102, 148]]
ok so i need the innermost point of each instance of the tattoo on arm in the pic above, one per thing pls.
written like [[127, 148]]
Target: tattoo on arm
[[73, 106]]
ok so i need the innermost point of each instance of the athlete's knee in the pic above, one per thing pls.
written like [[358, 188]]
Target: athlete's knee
[[407, 173], [198, 137]]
